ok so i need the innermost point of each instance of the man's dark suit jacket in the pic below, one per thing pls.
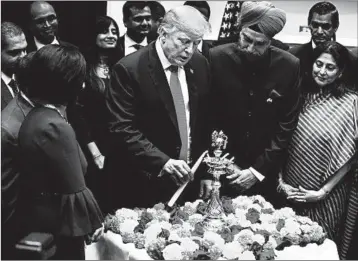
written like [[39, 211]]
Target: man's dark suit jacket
[[31, 46], [257, 105], [304, 52], [6, 96], [11, 119], [144, 129], [207, 45]]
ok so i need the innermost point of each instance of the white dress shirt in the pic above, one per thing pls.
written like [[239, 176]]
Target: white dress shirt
[[183, 83], [200, 46], [128, 44], [40, 45], [7, 80]]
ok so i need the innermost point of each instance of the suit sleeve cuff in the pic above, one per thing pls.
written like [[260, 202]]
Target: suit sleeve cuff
[[257, 174]]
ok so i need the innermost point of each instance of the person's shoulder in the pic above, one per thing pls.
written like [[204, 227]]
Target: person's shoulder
[[298, 49], [283, 55], [67, 44], [223, 49]]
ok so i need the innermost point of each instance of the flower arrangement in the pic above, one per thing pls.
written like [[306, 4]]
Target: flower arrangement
[[252, 229]]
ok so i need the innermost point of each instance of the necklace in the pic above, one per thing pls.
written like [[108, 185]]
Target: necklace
[[50, 106]]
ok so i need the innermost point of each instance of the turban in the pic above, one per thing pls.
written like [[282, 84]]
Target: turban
[[269, 20]]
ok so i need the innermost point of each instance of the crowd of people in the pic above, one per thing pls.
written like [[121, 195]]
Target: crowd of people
[[120, 123]]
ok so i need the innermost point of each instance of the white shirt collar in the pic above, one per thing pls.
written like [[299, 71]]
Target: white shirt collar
[[6, 78], [40, 45], [163, 59], [27, 99], [313, 45], [128, 42], [200, 46]]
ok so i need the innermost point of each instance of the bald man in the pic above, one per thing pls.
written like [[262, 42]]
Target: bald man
[[43, 26], [256, 97]]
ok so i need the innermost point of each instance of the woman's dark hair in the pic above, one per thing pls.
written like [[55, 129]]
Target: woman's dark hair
[[92, 53], [340, 55], [23, 75], [57, 74]]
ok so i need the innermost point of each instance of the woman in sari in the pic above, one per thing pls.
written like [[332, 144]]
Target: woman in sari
[[319, 179]]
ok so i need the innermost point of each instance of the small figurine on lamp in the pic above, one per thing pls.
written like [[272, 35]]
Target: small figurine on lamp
[[218, 165]]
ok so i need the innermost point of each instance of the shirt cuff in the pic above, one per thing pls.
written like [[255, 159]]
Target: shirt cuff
[[257, 174], [161, 173]]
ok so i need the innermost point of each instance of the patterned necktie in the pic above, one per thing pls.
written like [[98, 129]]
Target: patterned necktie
[[137, 46], [14, 86], [179, 105]]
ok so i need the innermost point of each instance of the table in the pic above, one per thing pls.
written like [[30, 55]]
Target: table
[[111, 247]]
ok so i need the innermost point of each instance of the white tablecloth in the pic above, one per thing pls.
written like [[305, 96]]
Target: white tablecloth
[[111, 247]]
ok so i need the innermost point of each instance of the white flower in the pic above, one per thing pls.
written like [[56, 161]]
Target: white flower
[[271, 228], [284, 213], [162, 215], [188, 245], [189, 208], [255, 227], [259, 239], [127, 226], [244, 237], [126, 213], [196, 203], [240, 214], [242, 202], [259, 198], [256, 207], [232, 250], [152, 232], [247, 255], [195, 218], [212, 238], [174, 236], [304, 220], [231, 220], [266, 218], [152, 211], [271, 243], [173, 252]]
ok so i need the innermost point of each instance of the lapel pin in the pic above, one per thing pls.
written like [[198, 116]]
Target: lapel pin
[[269, 100], [191, 71]]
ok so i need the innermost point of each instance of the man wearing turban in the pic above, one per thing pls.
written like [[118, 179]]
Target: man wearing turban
[[256, 99]]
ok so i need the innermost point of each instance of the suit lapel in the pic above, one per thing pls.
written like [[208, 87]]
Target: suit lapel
[[193, 94], [6, 96], [160, 81]]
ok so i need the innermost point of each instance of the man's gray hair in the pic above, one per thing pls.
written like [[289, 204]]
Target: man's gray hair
[[185, 19], [9, 30]]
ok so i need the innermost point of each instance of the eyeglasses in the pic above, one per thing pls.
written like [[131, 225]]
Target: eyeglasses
[[324, 26], [49, 19]]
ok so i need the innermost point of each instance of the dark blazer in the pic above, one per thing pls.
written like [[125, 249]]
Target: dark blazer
[[255, 105], [121, 43], [31, 46], [207, 45], [143, 125], [6, 96], [11, 119]]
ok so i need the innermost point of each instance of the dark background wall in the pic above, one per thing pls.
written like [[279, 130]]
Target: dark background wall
[[76, 18]]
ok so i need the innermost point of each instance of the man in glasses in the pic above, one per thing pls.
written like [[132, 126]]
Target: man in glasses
[[323, 21], [43, 26]]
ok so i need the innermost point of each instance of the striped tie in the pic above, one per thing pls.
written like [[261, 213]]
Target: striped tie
[[179, 105]]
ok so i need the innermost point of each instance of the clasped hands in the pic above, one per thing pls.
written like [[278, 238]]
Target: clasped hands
[[300, 194]]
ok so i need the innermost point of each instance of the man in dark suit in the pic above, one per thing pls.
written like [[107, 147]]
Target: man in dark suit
[[255, 105], [43, 26], [137, 20], [158, 12], [204, 8], [13, 48], [323, 21], [12, 117], [158, 103]]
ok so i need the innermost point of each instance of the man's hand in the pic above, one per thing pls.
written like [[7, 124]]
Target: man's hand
[[99, 161], [205, 188], [243, 179], [304, 195], [95, 236], [178, 170]]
